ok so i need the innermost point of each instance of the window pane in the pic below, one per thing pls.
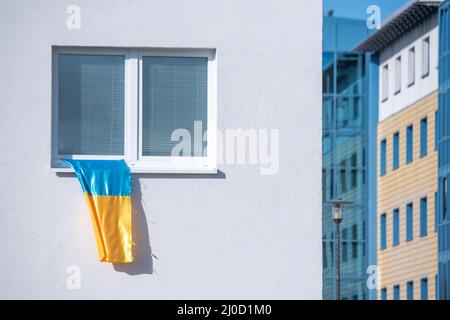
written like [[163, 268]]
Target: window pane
[[383, 231], [395, 151], [398, 74], [409, 222], [396, 294], [423, 137], [385, 83], [383, 158], [423, 217], [174, 97], [410, 290], [409, 144], [425, 57], [91, 104], [411, 66], [424, 289], [395, 227]]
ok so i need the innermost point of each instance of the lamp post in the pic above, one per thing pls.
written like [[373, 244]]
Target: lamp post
[[337, 216]]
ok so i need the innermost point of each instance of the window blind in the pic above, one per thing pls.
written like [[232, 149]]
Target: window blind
[[174, 97], [91, 104]]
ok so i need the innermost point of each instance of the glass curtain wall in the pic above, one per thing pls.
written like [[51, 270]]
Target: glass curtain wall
[[344, 173]]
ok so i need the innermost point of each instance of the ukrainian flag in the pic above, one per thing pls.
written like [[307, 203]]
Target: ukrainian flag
[[107, 187]]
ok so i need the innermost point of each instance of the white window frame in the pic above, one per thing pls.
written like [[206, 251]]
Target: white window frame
[[133, 114]]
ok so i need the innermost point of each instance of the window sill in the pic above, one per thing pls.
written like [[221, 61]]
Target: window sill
[[147, 170]]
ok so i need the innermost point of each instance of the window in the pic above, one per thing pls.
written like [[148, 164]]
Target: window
[[425, 57], [423, 137], [444, 199], [354, 172], [383, 158], [385, 84], [343, 176], [396, 292], [424, 289], [436, 130], [398, 74], [395, 227], [409, 222], [155, 108], [395, 151], [436, 286], [384, 294], [354, 241], [436, 212], [383, 231], [423, 217], [411, 66], [410, 290], [344, 245], [409, 144]]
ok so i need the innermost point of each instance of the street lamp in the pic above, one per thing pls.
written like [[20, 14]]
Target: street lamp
[[337, 216]]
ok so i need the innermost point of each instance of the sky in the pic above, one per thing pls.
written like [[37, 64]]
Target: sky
[[357, 8]]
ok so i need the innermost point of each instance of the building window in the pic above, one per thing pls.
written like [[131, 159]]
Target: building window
[[354, 172], [423, 217], [383, 157], [410, 290], [444, 199], [343, 176], [436, 286], [395, 227], [395, 150], [436, 131], [411, 66], [385, 84], [409, 222], [354, 241], [396, 292], [344, 245], [384, 294], [424, 289], [425, 57], [137, 105], [423, 137], [398, 75], [383, 241], [409, 144], [436, 212]]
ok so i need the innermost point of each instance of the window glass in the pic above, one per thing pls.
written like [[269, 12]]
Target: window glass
[[423, 217], [409, 222], [425, 57], [411, 66], [174, 97], [398, 74], [91, 93], [409, 144]]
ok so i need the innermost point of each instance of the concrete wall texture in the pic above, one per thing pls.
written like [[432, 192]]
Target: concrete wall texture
[[237, 234]]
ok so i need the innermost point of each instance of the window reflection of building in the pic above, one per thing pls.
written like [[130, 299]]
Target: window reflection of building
[[344, 159]]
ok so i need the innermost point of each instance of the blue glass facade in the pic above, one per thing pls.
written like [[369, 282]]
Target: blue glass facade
[[345, 154], [444, 153]]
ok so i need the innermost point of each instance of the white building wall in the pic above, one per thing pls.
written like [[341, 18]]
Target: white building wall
[[234, 235], [422, 86]]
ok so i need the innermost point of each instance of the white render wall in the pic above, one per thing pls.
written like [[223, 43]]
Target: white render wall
[[235, 235], [422, 86]]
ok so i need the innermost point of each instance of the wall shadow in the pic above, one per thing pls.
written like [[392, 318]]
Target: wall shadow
[[142, 251]]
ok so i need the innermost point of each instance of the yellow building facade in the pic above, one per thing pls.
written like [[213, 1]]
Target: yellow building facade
[[405, 267]]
